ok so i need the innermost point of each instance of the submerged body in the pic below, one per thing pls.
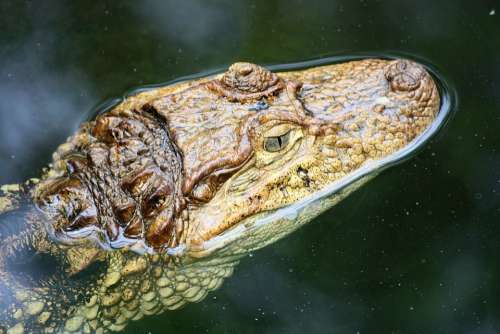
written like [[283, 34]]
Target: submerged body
[[153, 203]]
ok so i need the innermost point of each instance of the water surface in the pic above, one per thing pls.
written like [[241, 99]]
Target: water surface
[[414, 251]]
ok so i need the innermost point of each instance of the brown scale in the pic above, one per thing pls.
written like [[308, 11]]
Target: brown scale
[[122, 184], [245, 82]]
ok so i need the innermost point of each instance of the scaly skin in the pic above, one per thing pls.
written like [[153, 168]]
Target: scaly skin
[[153, 203]]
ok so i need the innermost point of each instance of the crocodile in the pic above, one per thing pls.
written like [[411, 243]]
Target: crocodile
[[152, 203]]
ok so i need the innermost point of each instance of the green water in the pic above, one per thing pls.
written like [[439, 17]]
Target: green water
[[414, 251]]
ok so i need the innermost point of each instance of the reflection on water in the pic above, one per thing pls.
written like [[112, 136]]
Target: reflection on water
[[36, 90], [190, 23], [413, 251]]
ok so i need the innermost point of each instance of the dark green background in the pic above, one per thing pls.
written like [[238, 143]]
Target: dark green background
[[414, 251]]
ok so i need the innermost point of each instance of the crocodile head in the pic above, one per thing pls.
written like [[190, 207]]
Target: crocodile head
[[195, 175], [175, 167]]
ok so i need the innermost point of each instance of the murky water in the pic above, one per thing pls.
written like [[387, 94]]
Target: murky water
[[413, 251]]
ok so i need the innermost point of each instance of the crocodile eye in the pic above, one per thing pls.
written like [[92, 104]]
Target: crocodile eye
[[277, 143]]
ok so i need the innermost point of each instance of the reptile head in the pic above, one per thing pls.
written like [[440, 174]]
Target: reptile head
[[218, 166], [184, 164]]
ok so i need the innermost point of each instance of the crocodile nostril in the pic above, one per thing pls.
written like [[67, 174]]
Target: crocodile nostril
[[404, 75]]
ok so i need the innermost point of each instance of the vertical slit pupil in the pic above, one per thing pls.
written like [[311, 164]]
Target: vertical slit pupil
[[275, 144]]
